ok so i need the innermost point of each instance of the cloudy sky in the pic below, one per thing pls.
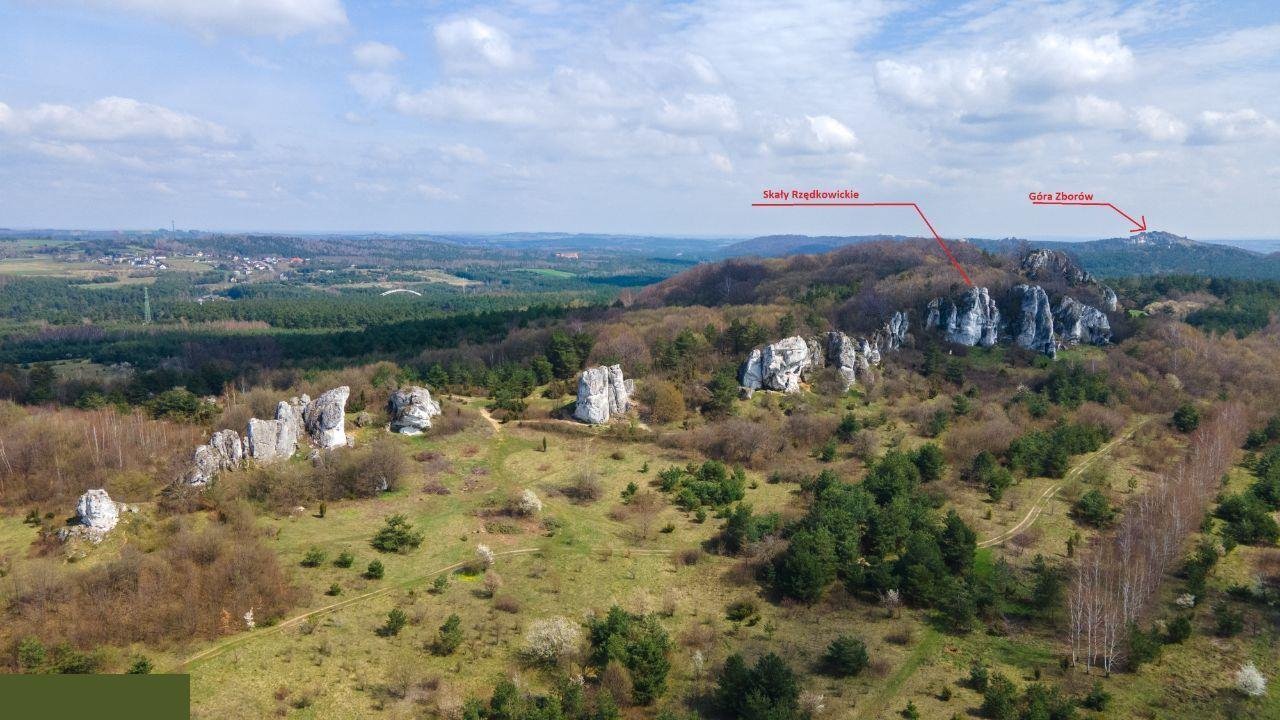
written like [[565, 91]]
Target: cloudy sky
[[651, 117]]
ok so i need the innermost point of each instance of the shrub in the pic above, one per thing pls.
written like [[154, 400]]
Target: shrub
[[639, 643], [492, 582], [1179, 629], [440, 584], [397, 536], [1000, 699], [396, 620], [740, 610], [845, 656], [344, 560], [1227, 622], [1144, 646], [375, 570], [484, 556], [1186, 418], [507, 604], [526, 503], [141, 665], [313, 558], [449, 636], [1097, 699], [929, 461], [1093, 508], [552, 640], [585, 488]]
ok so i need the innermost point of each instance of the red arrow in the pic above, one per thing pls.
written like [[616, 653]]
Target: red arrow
[[955, 263], [1137, 226]]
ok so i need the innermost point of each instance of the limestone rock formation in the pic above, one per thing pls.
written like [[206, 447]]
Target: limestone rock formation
[[1033, 326], [97, 511], [266, 441], [602, 393], [842, 354], [225, 451], [973, 319], [895, 331], [1078, 323], [1046, 265], [1110, 302], [780, 366], [411, 410], [325, 418]]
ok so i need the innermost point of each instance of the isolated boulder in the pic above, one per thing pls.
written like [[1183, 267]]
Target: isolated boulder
[[1046, 265], [779, 366], [1078, 323], [972, 319], [97, 511], [266, 441], [411, 410], [1033, 326], [325, 418], [224, 451], [602, 393]]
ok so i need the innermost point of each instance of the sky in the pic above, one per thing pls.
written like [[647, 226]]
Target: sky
[[644, 118]]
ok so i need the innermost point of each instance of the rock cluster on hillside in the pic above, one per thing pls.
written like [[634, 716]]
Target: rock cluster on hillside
[[603, 392], [972, 319], [784, 364], [1045, 265], [411, 410], [321, 421]]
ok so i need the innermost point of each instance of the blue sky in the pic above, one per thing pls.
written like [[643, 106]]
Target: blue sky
[[662, 118]]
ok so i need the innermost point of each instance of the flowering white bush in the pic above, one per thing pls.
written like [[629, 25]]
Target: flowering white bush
[[811, 703], [552, 639], [1185, 600], [484, 555], [528, 503], [1250, 681], [248, 619]]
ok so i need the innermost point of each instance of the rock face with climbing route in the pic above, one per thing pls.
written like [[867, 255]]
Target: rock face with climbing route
[[224, 451], [603, 392], [1033, 326], [779, 366]]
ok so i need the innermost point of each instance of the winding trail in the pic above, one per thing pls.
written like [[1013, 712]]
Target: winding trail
[[245, 637], [1042, 502]]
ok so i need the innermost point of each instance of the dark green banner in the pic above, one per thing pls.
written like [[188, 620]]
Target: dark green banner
[[102, 697]]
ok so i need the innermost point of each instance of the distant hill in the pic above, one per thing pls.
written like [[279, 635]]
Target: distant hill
[[1157, 252], [782, 245]]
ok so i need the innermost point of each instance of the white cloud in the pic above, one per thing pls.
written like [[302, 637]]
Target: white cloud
[[700, 113], [721, 163], [1145, 157], [112, 119], [1093, 111], [376, 55], [431, 192], [815, 134], [281, 18], [1213, 127], [463, 102], [469, 44], [702, 69], [1159, 125], [989, 82], [69, 152]]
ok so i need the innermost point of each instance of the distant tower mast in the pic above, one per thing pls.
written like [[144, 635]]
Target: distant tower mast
[[146, 307]]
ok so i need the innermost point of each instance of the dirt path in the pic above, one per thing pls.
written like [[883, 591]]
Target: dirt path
[[280, 626], [497, 426], [1042, 502]]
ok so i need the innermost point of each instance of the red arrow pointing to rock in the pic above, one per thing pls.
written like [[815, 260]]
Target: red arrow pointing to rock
[[1138, 226]]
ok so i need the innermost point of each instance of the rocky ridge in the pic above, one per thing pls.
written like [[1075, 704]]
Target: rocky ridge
[[783, 365]]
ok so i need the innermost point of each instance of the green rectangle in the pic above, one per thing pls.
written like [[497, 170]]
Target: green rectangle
[[102, 697]]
